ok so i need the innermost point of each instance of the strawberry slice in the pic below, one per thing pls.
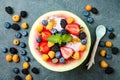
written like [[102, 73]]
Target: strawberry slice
[[73, 28], [66, 52], [43, 47], [45, 34]]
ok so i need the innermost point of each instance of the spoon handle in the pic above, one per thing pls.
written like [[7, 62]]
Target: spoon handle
[[92, 61]]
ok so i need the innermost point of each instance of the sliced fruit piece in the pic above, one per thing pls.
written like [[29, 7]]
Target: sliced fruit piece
[[45, 57], [39, 28], [45, 34], [50, 44], [73, 28], [76, 55], [70, 20], [82, 47], [66, 52], [51, 54], [43, 47]]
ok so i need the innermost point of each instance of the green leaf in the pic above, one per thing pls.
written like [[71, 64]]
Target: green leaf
[[66, 38], [55, 38]]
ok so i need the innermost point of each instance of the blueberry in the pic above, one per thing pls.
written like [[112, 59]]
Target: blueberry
[[64, 31], [23, 14], [90, 20], [108, 56], [115, 50], [94, 10], [17, 77], [15, 27], [102, 44], [44, 22], [63, 23], [84, 41], [109, 70], [7, 25], [9, 10], [16, 70], [35, 70], [111, 35], [23, 52], [38, 40], [53, 31], [25, 71], [60, 32], [82, 35], [27, 59], [13, 50], [18, 35], [55, 48], [110, 28], [62, 60], [86, 13], [58, 54], [22, 45], [25, 33], [4, 50]]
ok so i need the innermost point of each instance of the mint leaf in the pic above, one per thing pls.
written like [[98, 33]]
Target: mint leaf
[[55, 38], [66, 38]]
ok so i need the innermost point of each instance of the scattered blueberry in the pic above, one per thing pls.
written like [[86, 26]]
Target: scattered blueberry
[[17, 77], [110, 28], [108, 56], [15, 27], [27, 59], [9, 10], [84, 41], [16, 70], [60, 33], [90, 20], [82, 35], [115, 50], [62, 60], [64, 31], [4, 50], [18, 35], [13, 50], [25, 33], [58, 54], [22, 45], [63, 23], [102, 44], [23, 14], [25, 71], [35, 70], [109, 70], [23, 52], [94, 10], [44, 22], [111, 35], [53, 31], [38, 39], [7, 25], [86, 13]]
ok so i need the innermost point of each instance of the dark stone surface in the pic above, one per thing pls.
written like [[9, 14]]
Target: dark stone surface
[[109, 14]]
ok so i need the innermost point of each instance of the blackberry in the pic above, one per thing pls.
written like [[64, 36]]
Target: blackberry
[[62, 44], [25, 71], [109, 70], [17, 77], [115, 50], [23, 14], [15, 26], [63, 23], [64, 31], [82, 35], [9, 10], [111, 35], [13, 50], [35, 70], [55, 48], [94, 11]]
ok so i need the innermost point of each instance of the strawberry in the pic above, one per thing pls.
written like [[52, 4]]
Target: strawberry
[[73, 28], [45, 34], [66, 52], [43, 47]]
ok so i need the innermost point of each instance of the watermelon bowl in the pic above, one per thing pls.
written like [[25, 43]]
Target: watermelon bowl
[[59, 40]]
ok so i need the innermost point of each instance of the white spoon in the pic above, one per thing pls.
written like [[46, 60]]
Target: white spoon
[[100, 32]]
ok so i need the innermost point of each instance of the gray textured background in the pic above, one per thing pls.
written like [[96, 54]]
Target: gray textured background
[[109, 14]]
